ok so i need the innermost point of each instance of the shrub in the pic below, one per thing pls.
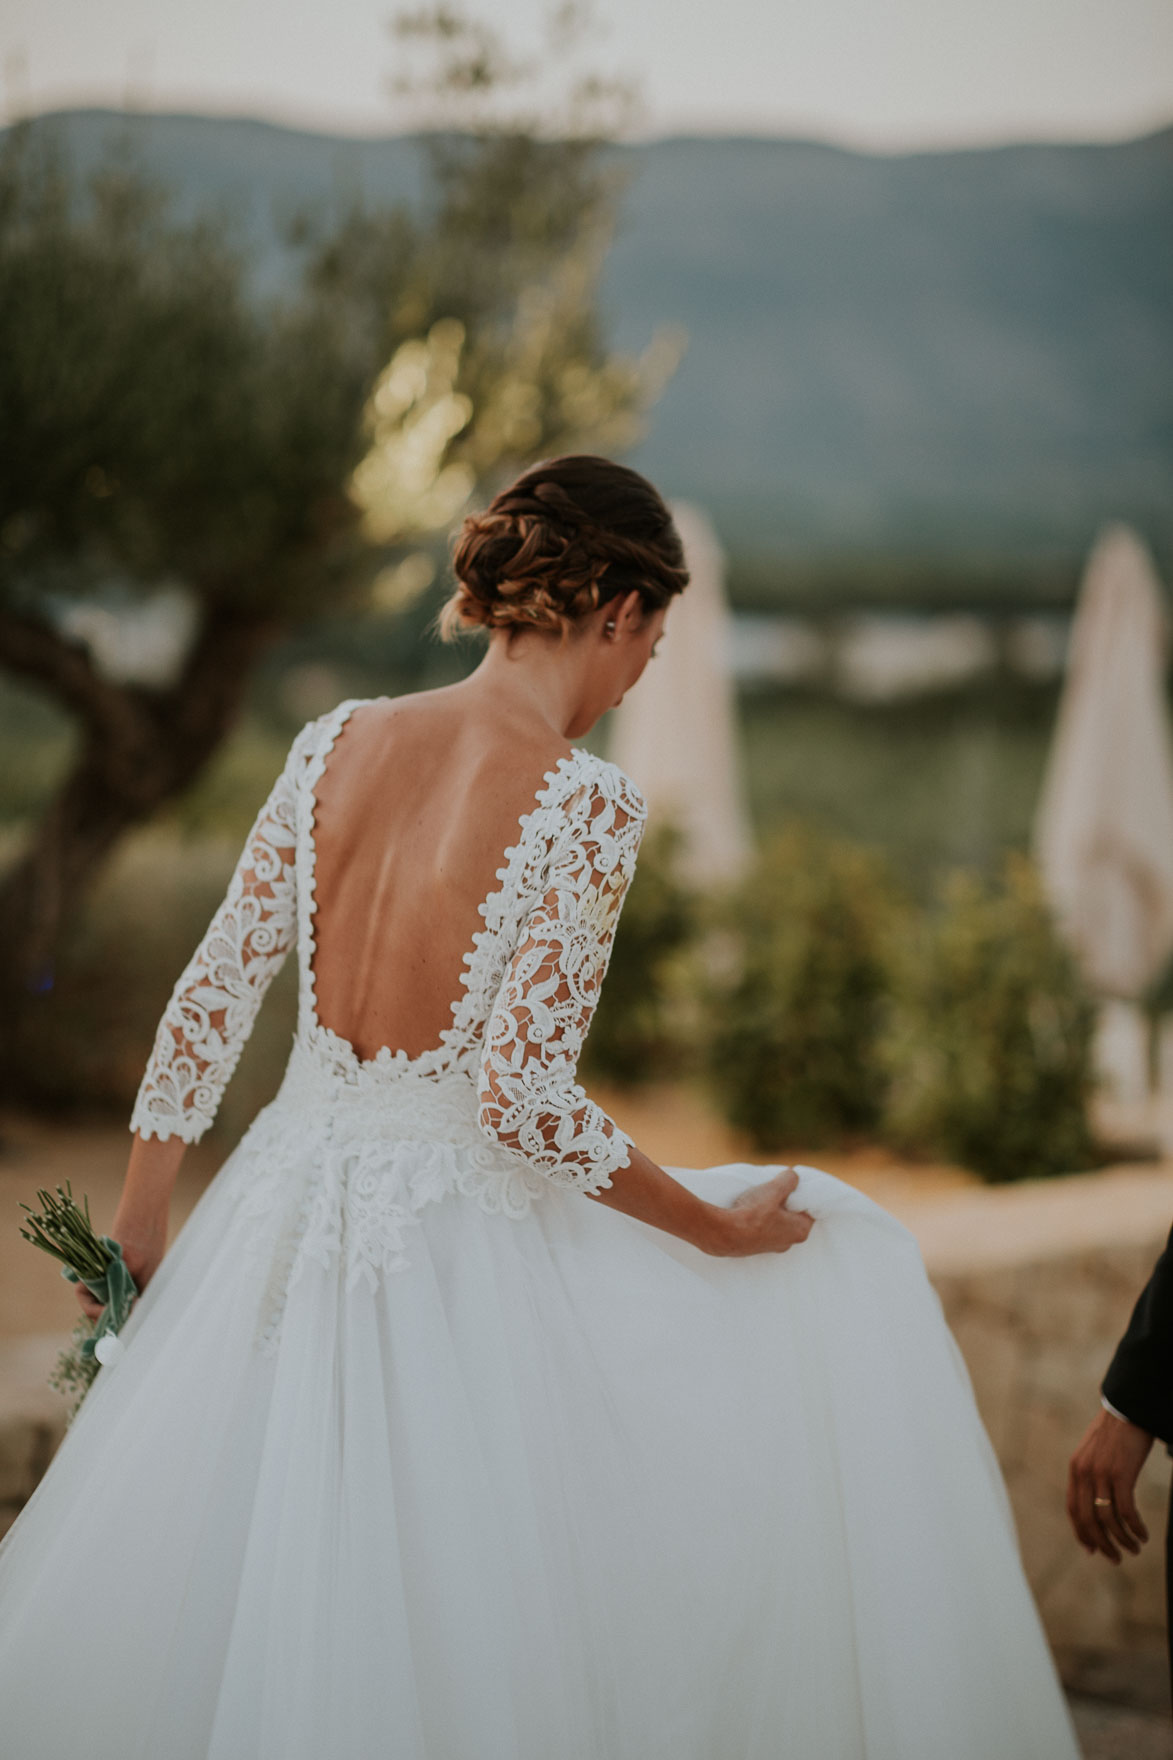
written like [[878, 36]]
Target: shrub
[[989, 1039], [792, 1052], [644, 1024]]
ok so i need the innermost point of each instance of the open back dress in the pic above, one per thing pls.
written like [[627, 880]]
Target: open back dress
[[415, 1454]]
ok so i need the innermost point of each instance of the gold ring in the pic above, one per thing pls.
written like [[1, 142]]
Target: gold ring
[[1102, 1502]]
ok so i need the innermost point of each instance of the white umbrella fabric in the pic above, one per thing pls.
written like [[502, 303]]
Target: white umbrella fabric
[[675, 732], [1104, 830]]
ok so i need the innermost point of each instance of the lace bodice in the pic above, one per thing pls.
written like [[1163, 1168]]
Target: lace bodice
[[528, 992]]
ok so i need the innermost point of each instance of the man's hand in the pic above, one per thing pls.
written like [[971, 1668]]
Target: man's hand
[[1101, 1485]]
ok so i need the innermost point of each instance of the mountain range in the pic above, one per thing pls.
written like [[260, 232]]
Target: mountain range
[[960, 357]]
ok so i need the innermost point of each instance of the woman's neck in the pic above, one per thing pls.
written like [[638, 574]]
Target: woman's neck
[[538, 675]]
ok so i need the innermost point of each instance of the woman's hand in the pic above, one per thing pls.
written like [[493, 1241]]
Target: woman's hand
[[140, 1221], [142, 1252], [758, 1221], [90, 1306]]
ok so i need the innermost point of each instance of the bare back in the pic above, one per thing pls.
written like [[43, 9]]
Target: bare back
[[419, 800]]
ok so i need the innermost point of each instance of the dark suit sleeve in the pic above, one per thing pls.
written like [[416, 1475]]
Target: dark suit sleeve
[[1139, 1382]]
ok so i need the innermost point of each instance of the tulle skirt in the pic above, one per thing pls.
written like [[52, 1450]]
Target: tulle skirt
[[560, 1489]]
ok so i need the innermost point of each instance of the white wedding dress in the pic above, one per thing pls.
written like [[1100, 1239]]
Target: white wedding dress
[[416, 1454]]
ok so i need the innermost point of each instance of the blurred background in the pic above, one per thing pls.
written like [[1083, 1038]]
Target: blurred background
[[882, 298]]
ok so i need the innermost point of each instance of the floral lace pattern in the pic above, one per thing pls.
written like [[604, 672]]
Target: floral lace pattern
[[529, 1099], [336, 1169], [216, 998]]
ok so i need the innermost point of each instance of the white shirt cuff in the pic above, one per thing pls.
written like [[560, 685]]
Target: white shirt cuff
[[1109, 1407]]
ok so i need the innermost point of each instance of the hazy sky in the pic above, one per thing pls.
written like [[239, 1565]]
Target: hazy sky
[[886, 73]]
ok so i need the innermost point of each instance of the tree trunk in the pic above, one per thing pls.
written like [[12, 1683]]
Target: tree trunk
[[138, 749]]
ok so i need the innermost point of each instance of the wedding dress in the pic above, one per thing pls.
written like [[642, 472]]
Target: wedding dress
[[416, 1454]]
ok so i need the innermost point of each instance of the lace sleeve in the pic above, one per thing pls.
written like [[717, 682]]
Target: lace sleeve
[[529, 1099], [215, 1002]]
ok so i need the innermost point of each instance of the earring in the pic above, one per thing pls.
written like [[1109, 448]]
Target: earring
[[609, 627]]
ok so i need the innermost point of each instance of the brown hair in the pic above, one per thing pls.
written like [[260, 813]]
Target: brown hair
[[563, 539]]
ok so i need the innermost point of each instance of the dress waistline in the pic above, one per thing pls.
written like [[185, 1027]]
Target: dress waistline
[[334, 1091]]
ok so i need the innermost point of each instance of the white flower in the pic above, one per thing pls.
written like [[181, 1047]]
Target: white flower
[[109, 1348]]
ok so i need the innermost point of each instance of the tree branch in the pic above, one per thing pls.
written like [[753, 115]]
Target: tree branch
[[215, 673], [36, 651]]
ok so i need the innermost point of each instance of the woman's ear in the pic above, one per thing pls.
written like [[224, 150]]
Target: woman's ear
[[628, 613]]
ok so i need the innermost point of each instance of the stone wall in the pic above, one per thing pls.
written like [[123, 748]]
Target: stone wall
[[1037, 1283]]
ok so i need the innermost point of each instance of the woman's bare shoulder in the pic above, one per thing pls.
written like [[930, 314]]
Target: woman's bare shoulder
[[446, 718]]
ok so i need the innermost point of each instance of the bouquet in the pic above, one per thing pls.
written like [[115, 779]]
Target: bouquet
[[63, 1228]]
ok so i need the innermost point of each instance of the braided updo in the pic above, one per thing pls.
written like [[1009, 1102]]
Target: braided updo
[[566, 537]]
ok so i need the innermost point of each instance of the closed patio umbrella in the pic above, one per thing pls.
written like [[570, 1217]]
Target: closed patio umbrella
[[675, 733], [1104, 830]]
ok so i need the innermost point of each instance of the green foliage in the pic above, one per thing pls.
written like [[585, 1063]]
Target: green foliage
[[74, 1373], [793, 1045], [936, 782], [158, 423], [64, 1229], [170, 432], [162, 421], [989, 1041], [645, 1023]]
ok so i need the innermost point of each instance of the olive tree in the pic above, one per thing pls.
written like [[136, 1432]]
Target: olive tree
[[163, 427]]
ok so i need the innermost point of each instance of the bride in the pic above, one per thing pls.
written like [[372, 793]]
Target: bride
[[452, 1427]]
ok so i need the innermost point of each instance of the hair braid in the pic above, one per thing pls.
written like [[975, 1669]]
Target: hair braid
[[568, 536]]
